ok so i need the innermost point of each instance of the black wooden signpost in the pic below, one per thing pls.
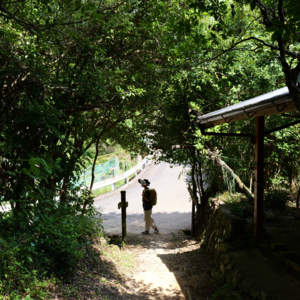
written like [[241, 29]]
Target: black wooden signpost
[[123, 204]]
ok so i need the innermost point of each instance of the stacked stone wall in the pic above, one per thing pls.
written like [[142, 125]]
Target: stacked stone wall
[[222, 237], [223, 228]]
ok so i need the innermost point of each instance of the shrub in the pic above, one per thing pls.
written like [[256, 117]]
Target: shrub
[[53, 243], [277, 199]]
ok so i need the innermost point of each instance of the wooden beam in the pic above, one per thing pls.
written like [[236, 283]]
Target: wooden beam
[[259, 177], [286, 107]]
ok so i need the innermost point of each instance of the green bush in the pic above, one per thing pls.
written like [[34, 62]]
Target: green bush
[[19, 279], [277, 199], [52, 244]]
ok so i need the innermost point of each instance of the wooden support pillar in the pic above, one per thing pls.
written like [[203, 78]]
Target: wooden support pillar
[[259, 177]]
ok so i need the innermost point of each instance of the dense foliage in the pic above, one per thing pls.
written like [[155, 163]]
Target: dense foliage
[[73, 74], [76, 73], [241, 49]]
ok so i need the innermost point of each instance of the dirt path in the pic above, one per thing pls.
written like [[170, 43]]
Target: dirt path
[[163, 266], [167, 266]]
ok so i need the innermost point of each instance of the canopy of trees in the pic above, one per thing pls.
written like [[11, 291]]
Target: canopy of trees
[[74, 73]]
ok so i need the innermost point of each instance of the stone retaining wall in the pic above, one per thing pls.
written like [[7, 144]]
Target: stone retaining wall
[[240, 258], [221, 237], [223, 228]]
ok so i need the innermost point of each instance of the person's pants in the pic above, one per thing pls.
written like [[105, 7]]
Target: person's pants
[[149, 220]]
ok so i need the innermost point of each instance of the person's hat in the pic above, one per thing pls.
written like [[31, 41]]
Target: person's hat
[[144, 182]]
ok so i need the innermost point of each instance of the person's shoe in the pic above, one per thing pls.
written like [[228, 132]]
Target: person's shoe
[[145, 232], [156, 231]]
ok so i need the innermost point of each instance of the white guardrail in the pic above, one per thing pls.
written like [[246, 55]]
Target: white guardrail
[[145, 162], [141, 165]]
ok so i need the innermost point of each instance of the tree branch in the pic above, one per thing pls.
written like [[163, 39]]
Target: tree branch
[[10, 15], [86, 107], [280, 10], [216, 158]]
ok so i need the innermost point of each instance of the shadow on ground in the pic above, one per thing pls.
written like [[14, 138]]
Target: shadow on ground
[[181, 259], [164, 266], [166, 222]]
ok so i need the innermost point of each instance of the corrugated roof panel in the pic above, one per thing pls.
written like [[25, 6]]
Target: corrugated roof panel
[[257, 103]]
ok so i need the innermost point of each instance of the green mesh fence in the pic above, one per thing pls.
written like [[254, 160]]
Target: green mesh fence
[[102, 172], [229, 180]]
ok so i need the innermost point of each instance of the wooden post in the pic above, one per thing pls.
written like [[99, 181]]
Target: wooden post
[[259, 177], [123, 204], [193, 220]]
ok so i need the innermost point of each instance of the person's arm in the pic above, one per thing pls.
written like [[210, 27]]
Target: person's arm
[[145, 196]]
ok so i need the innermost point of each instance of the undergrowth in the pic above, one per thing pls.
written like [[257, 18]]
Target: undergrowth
[[47, 249], [234, 202]]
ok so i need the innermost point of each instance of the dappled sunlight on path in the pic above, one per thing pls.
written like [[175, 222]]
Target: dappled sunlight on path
[[153, 267], [169, 266]]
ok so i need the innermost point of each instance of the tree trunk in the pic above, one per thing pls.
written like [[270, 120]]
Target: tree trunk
[[93, 177], [203, 194]]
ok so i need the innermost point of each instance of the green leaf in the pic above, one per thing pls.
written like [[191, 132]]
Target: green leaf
[[275, 36], [253, 4], [277, 22], [273, 28], [11, 173], [31, 196], [29, 186]]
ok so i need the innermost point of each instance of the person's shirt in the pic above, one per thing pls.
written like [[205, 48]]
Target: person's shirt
[[146, 204]]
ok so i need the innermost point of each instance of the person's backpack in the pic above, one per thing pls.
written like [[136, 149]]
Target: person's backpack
[[153, 196]]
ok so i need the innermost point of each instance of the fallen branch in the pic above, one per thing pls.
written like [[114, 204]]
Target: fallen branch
[[216, 158]]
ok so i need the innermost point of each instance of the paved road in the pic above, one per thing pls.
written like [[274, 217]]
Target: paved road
[[173, 209]]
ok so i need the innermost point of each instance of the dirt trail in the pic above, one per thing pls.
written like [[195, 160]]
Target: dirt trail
[[168, 266], [156, 266]]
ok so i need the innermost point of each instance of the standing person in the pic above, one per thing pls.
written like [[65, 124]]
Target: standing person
[[147, 205]]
